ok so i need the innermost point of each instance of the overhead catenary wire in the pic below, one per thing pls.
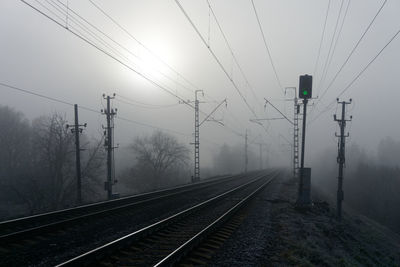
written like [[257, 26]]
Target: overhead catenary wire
[[267, 48], [78, 34], [126, 31], [231, 51], [221, 65], [215, 57], [108, 54], [142, 45], [128, 50], [75, 32]]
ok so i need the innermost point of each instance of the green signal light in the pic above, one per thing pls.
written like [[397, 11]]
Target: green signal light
[[305, 92]]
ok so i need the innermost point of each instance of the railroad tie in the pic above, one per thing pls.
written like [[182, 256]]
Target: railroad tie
[[215, 242], [207, 244], [204, 255], [29, 242], [5, 250], [220, 239], [206, 250], [197, 261]]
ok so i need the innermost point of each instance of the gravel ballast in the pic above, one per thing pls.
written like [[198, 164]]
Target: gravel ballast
[[275, 233]]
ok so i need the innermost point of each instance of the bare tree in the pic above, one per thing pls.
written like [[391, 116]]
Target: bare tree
[[93, 162], [37, 165], [15, 164], [159, 154], [54, 159], [14, 144]]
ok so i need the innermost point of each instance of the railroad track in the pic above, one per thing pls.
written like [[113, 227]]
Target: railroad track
[[51, 238], [14, 230], [169, 240]]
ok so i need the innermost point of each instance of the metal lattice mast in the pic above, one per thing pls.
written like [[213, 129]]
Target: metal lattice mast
[[196, 176], [296, 132], [296, 138]]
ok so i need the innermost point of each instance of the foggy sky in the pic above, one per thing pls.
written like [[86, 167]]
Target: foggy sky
[[38, 55]]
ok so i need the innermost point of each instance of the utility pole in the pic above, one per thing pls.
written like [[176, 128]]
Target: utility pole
[[110, 113], [260, 156], [246, 159], [341, 155], [76, 129]]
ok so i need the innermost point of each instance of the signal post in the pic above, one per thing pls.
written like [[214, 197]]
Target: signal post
[[304, 191]]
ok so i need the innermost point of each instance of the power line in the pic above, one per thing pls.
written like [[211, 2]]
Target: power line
[[336, 42], [352, 51], [330, 46], [267, 48], [123, 47], [322, 37], [144, 46], [57, 100], [78, 34], [360, 73], [220, 64], [126, 49], [366, 67], [108, 54], [124, 29], [135, 103]]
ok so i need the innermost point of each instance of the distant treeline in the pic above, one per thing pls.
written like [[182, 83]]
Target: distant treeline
[[37, 164], [38, 171]]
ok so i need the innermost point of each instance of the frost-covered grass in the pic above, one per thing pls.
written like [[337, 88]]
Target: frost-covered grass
[[316, 238]]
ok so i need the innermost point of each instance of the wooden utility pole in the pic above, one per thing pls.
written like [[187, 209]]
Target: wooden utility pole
[[246, 159], [77, 129]]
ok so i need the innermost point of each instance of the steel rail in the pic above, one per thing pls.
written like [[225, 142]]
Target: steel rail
[[97, 209], [176, 255], [106, 249]]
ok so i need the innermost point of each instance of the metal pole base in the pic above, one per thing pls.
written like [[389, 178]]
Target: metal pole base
[[304, 194]]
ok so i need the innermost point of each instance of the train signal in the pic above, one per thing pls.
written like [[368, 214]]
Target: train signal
[[305, 86]]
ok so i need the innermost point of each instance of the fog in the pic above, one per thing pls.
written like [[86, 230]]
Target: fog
[[156, 41]]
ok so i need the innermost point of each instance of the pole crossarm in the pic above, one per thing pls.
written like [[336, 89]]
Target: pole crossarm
[[212, 112], [284, 116]]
